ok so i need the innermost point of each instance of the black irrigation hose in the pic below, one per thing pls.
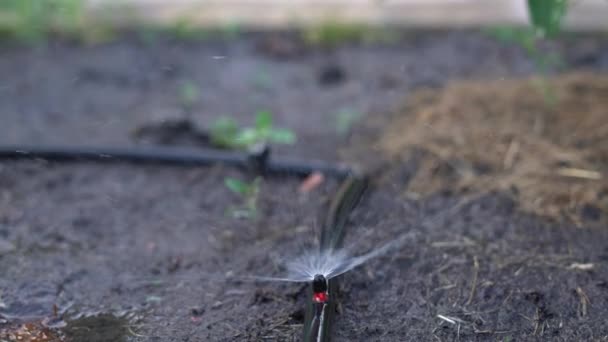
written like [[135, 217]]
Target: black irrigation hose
[[319, 316], [262, 162]]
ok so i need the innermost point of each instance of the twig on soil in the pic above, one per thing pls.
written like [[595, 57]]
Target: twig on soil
[[447, 319], [539, 322], [277, 324], [504, 302], [525, 317], [536, 321], [447, 265], [579, 173], [581, 267], [584, 301], [511, 154], [534, 260], [133, 333], [453, 320], [444, 287], [475, 275], [443, 267], [466, 242], [475, 330]]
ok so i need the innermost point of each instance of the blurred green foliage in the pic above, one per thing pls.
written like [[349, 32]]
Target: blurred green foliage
[[331, 34], [529, 39], [189, 94], [249, 193], [184, 29], [33, 20], [345, 119], [547, 15]]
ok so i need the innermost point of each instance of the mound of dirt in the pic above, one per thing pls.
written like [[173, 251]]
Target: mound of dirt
[[543, 140]]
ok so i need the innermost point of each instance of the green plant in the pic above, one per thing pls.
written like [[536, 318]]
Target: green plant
[[226, 133], [249, 192], [32, 20], [187, 29], [528, 39], [189, 94], [345, 119], [547, 15], [331, 33], [184, 29]]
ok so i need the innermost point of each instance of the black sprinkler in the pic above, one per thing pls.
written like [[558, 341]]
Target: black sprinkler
[[319, 284], [319, 289]]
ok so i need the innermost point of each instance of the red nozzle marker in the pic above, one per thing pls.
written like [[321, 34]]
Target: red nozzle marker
[[319, 289]]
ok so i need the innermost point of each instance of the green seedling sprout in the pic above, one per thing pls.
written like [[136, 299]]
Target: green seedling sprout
[[226, 133], [345, 119], [189, 94], [264, 132], [248, 192]]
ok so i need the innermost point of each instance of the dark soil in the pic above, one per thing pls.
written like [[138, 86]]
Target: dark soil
[[147, 253]]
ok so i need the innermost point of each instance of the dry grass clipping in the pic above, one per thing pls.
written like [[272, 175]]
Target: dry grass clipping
[[503, 135]]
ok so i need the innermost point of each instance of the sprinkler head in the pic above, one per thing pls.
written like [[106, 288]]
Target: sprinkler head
[[319, 289], [319, 284]]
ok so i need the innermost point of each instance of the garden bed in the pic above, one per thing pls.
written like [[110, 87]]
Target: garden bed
[[148, 253]]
